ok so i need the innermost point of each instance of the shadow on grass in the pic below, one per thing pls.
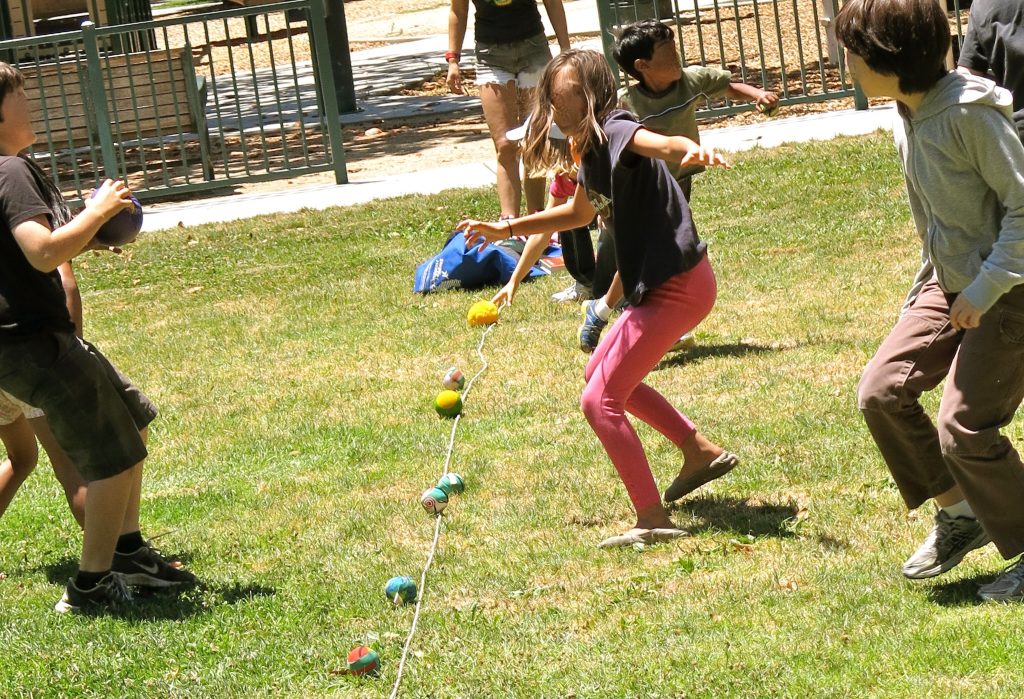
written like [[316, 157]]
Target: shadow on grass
[[155, 605], [960, 593], [723, 513], [701, 352]]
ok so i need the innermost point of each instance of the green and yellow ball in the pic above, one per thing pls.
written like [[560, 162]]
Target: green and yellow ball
[[448, 403]]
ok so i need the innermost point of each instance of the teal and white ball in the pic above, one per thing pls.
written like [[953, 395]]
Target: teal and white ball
[[400, 590], [452, 483], [434, 500]]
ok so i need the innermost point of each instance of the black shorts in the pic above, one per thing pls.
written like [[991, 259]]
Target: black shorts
[[93, 410]]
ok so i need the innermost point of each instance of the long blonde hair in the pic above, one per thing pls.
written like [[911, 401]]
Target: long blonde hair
[[598, 89]]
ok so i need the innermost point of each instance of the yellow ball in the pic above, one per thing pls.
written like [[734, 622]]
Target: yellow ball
[[448, 403], [482, 313]]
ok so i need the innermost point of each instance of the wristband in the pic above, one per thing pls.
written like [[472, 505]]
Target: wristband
[[449, 55], [508, 221]]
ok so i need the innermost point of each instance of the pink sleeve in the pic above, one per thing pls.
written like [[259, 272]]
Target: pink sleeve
[[562, 186]]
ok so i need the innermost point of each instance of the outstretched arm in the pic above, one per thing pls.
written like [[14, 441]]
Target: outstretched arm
[[674, 149], [741, 92], [576, 213]]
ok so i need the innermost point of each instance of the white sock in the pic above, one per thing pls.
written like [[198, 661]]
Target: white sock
[[602, 310], [960, 509]]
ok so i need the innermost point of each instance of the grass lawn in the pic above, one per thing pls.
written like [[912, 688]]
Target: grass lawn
[[295, 372]]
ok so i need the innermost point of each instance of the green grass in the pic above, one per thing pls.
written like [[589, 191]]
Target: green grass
[[295, 373]]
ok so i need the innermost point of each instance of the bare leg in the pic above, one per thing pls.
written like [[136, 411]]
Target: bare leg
[[106, 507], [131, 515], [698, 453], [21, 459], [950, 497], [501, 114], [63, 468], [533, 187]]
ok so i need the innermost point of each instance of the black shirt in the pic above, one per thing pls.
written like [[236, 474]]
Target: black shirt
[[643, 207], [505, 21], [30, 301], [994, 44]]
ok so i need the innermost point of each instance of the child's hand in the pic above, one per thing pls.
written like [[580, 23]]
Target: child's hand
[[111, 198], [768, 102], [963, 314], [506, 294], [483, 233], [702, 155]]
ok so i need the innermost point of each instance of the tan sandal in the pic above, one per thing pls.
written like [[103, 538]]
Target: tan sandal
[[642, 536], [723, 463]]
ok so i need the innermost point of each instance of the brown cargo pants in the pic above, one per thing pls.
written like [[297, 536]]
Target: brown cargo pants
[[984, 371]]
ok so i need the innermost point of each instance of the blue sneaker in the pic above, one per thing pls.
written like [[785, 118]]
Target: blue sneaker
[[590, 332]]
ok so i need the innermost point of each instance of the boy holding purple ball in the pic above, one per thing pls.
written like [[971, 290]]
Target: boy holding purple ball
[[98, 417]]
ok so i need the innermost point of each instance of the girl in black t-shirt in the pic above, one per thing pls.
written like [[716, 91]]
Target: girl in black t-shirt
[[664, 266]]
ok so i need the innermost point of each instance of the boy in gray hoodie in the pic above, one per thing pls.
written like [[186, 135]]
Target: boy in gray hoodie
[[964, 317]]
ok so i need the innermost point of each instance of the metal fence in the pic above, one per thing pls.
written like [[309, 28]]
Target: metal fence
[[186, 103], [786, 46]]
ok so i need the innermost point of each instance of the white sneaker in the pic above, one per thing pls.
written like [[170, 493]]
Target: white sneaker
[[574, 293]]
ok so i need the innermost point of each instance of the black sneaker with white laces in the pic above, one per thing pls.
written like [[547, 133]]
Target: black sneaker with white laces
[[109, 594], [147, 567]]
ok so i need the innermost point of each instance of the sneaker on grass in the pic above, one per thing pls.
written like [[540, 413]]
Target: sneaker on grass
[[1008, 587], [950, 540], [574, 293], [109, 593], [590, 332], [147, 567]]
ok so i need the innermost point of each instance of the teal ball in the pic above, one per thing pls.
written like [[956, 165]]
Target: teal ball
[[452, 483], [400, 590]]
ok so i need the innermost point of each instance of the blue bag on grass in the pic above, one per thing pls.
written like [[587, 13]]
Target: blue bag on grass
[[455, 267]]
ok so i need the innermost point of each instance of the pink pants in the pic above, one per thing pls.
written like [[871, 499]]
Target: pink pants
[[633, 346]]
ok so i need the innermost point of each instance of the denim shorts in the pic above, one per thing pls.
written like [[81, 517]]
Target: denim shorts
[[520, 61], [93, 410]]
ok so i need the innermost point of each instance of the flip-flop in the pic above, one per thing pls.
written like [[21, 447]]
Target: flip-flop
[[654, 536], [641, 536], [723, 463]]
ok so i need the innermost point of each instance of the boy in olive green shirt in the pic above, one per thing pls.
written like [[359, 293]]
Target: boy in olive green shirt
[[664, 99], [665, 96]]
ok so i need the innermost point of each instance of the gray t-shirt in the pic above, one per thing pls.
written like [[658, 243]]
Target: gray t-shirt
[[994, 44]]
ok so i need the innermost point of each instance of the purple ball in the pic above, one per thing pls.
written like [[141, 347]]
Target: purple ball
[[123, 228]]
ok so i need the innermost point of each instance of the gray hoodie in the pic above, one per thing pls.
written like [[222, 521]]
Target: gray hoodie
[[964, 165]]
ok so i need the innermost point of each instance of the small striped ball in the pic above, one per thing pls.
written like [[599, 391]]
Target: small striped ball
[[434, 500], [363, 661], [454, 379]]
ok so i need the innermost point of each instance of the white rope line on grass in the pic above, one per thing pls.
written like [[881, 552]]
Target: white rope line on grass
[[437, 518]]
